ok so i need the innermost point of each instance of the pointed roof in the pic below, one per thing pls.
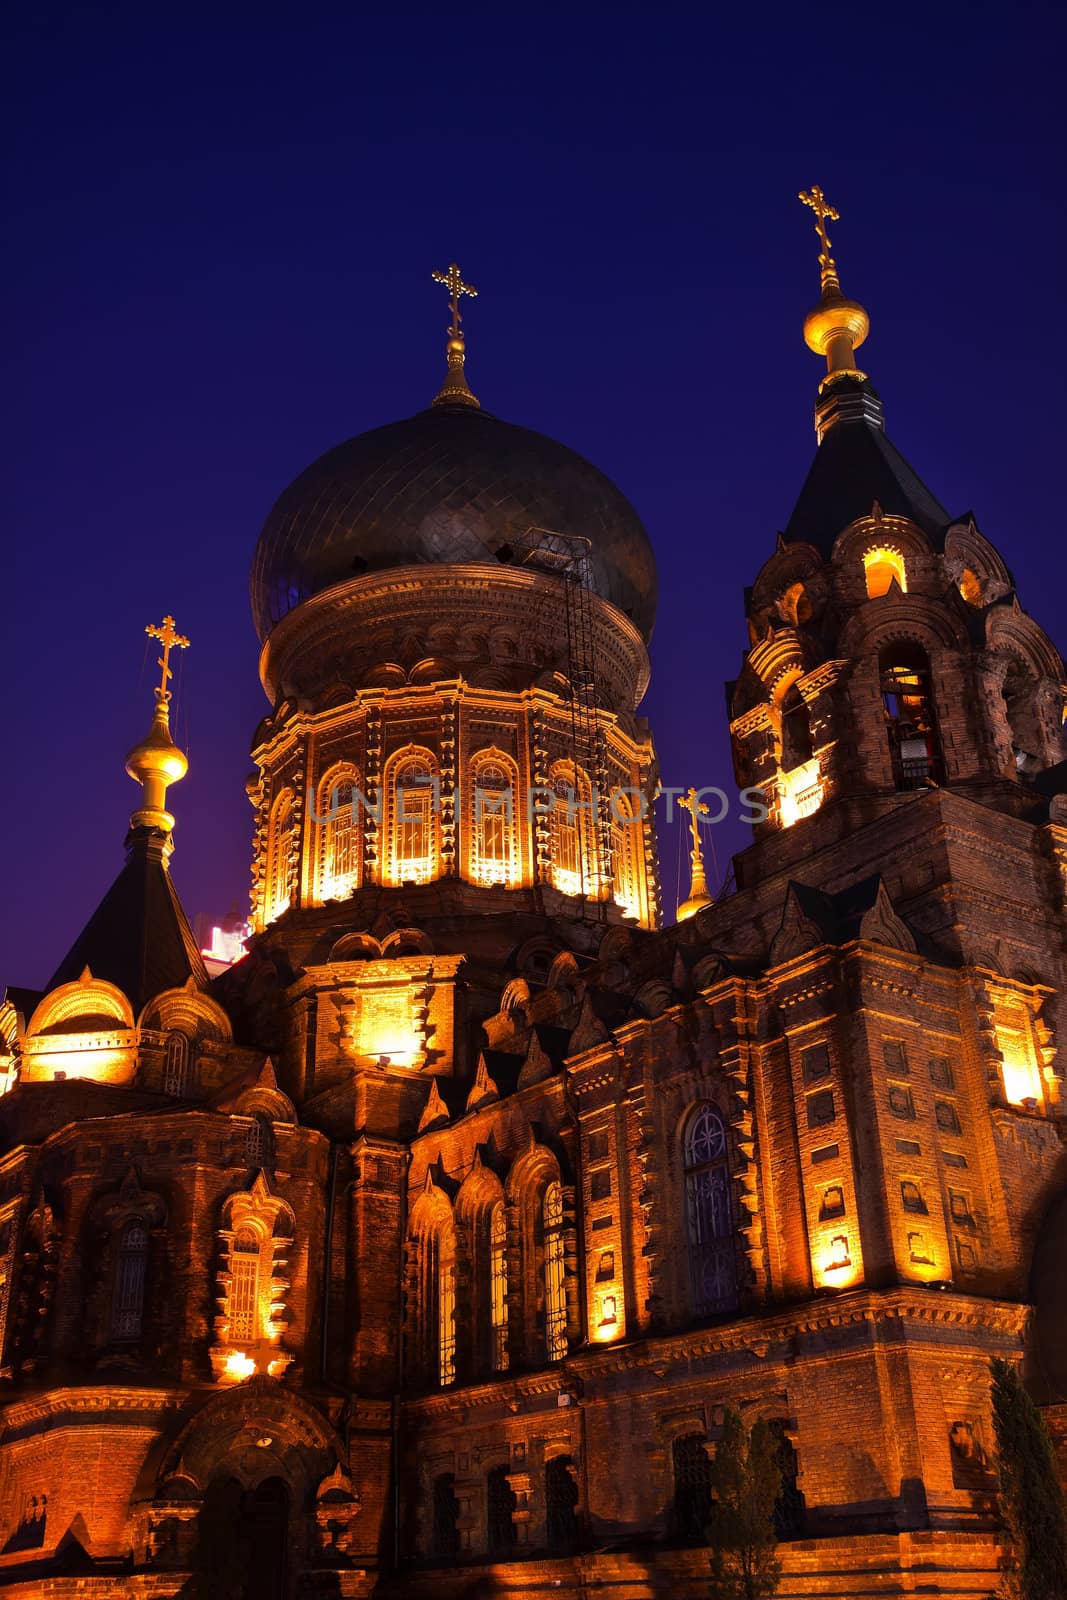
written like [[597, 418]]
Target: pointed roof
[[139, 937], [855, 465]]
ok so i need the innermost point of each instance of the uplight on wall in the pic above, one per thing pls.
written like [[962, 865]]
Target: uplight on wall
[[800, 792]]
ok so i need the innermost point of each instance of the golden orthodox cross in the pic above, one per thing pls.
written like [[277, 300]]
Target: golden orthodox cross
[[453, 282], [696, 809], [170, 639], [823, 213]]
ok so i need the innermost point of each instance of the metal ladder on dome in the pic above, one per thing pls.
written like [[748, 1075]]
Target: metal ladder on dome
[[567, 557]]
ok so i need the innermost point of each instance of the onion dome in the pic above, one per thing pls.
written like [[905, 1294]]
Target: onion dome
[[452, 484]]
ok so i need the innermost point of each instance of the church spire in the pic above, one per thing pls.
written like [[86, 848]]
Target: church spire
[[157, 762], [456, 391], [699, 893], [836, 328]]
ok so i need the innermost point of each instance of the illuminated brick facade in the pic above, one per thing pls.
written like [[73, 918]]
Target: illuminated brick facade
[[418, 1254]]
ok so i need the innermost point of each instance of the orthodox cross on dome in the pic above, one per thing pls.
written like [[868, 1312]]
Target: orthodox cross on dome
[[824, 213], [453, 282], [456, 391], [170, 639], [698, 889]]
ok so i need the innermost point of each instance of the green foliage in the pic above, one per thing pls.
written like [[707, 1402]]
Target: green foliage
[[745, 1484], [1031, 1496]]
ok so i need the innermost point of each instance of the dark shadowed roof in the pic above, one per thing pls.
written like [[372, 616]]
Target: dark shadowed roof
[[854, 466], [452, 484], [138, 938]]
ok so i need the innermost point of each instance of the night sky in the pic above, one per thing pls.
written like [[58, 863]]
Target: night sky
[[221, 227]]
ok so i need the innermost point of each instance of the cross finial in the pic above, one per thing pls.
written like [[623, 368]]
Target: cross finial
[[453, 282], [456, 391], [824, 213], [170, 639], [699, 894]]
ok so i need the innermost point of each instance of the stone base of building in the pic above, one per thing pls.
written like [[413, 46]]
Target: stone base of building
[[951, 1566]]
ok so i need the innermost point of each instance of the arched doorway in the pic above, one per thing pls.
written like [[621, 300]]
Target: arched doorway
[[265, 1524], [242, 1548]]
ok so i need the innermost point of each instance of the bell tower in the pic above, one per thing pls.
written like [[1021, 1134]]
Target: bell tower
[[889, 653]]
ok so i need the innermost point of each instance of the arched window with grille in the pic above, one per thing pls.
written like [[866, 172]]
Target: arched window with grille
[[131, 1264], [494, 840], [709, 1222], [340, 837], [276, 888], [446, 1308], [413, 832], [572, 832], [692, 1486], [244, 1286], [555, 1296], [176, 1064], [498, 1287]]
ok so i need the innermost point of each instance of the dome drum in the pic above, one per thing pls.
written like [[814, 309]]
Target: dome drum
[[498, 629]]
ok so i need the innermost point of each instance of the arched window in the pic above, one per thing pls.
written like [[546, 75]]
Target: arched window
[[709, 1225], [1021, 703], [244, 1286], [692, 1486], [498, 1287], [561, 1500], [279, 849], [494, 840], [131, 1262], [445, 1515], [907, 706], [882, 565], [798, 746], [413, 831], [572, 832], [339, 822], [176, 1064], [446, 1309], [555, 1297], [627, 856], [790, 1508]]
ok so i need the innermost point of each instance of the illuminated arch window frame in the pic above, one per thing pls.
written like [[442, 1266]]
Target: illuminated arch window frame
[[1020, 1068], [493, 855], [277, 890], [339, 833], [628, 884], [574, 868], [881, 564], [413, 823]]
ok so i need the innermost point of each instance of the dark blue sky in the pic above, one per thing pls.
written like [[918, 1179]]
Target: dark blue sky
[[221, 227]]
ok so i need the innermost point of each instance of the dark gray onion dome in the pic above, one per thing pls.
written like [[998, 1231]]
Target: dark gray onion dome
[[452, 484]]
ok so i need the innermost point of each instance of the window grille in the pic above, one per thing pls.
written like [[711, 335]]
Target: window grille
[[130, 1267], [555, 1298], [244, 1287], [712, 1258], [498, 1287]]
